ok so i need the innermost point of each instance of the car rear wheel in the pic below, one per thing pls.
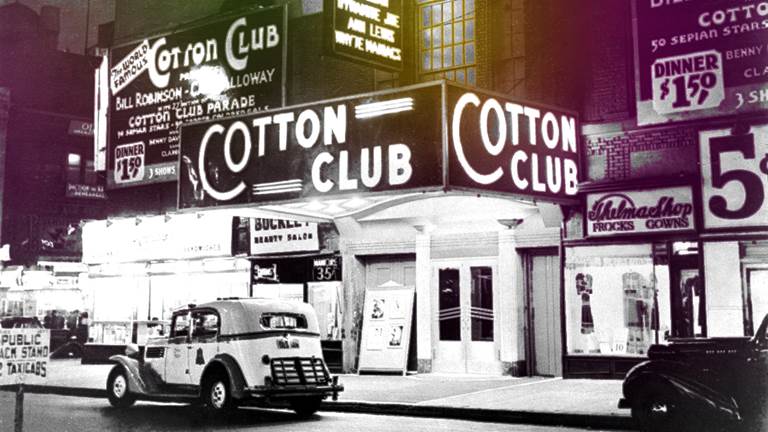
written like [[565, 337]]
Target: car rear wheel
[[216, 395], [305, 406], [657, 409], [118, 393]]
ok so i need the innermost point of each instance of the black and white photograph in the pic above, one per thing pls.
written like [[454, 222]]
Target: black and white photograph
[[424, 215]]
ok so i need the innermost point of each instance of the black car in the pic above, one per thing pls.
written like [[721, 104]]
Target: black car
[[701, 384], [20, 322]]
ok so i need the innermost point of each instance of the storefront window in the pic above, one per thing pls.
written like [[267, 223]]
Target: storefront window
[[616, 299]]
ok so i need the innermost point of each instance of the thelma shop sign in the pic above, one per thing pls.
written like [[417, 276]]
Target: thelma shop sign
[[647, 211]]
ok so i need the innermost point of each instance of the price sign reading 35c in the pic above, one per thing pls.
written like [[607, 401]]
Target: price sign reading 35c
[[734, 171]]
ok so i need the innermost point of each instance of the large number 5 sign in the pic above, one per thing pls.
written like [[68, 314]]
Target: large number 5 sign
[[734, 171]]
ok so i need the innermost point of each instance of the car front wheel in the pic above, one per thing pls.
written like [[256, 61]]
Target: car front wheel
[[118, 392], [657, 409]]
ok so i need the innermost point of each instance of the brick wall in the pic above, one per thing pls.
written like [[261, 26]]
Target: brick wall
[[609, 89], [642, 153]]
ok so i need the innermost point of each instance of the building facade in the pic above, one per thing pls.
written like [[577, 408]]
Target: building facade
[[48, 184], [670, 238], [518, 278]]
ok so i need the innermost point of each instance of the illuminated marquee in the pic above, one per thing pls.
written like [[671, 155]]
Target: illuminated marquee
[[366, 31], [388, 141]]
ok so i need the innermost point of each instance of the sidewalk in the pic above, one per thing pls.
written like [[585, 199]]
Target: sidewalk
[[538, 400]]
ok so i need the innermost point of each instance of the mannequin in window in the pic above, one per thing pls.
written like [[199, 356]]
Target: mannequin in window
[[638, 311], [584, 290]]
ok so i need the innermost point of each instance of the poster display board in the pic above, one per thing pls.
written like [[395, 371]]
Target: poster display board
[[368, 32], [24, 355], [698, 59], [229, 67], [734, 177], [387, 314]]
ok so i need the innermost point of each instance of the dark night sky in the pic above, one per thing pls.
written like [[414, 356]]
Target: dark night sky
[[73, 19]]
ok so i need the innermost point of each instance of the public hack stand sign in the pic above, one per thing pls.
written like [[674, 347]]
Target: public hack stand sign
[[387, 315], [24, 355]]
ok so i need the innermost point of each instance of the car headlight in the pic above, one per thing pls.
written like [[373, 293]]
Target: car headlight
[[132, 350]]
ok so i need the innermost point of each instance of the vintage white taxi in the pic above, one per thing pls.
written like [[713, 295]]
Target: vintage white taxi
[[227, 353]]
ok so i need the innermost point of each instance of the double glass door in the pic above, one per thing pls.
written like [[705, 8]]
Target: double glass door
[[465, 296]]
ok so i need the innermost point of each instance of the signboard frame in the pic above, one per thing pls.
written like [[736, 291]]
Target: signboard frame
[[39, 366], [445, 161], [739, 98], [653, 193], [329, 28], [111, 133], [734, 169], [398, 327]]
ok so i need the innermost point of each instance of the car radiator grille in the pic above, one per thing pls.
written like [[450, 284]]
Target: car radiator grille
[[299, 371]]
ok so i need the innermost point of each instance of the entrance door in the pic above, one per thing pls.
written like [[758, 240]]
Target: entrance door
[[465, 296], [544, 336]]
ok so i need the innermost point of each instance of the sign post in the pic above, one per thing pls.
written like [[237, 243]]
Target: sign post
[[24, 357]]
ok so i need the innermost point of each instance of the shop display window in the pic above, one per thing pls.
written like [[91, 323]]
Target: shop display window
[[325, 298], [617, 301]]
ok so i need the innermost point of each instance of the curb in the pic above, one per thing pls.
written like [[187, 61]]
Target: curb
[[399, 409], [483, 415]]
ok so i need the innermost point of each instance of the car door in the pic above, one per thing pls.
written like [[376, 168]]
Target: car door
[[177, 354], [205, 331]]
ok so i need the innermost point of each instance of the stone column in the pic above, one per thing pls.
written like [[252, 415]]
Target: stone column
[[423, 302], [510, 304]]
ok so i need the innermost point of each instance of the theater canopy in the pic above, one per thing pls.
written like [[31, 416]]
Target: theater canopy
[[435, 136]]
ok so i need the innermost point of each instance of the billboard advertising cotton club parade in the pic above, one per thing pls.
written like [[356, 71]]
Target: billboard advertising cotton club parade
[[391, 141], [700, 58], [229, 67]]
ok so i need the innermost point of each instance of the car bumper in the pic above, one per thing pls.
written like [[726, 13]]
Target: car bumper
[[284, 392]]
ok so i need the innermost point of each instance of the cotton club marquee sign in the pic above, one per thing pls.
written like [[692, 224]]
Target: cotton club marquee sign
[[388, 141]]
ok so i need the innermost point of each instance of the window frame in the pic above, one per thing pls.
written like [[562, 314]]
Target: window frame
[[194, 335], [427, 51]]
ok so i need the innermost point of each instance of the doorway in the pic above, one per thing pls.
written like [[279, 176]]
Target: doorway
[[756, 296], [543, 341], [688, 300], [465, 295]]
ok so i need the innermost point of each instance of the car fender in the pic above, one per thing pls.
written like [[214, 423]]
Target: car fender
[[236, 378], [673, 375], [142, 380]]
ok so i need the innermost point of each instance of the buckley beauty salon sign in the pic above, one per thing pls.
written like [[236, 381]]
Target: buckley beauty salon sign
[[646, 211], [389, 141], [270, 235]]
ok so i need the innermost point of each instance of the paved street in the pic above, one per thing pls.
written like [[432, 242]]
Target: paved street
[[44, 413]]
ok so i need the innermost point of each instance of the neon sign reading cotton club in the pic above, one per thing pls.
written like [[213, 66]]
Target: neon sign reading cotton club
[[512, 147], [388, 141]]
